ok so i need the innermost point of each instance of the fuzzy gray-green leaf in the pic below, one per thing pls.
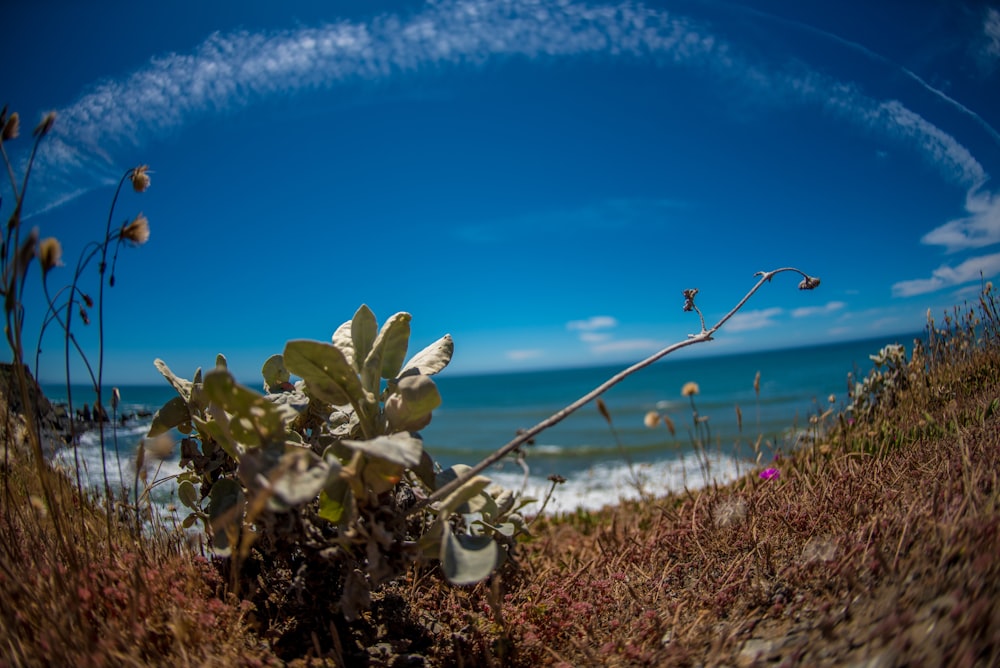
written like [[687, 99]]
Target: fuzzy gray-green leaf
[[275, 373], [391, 344], [467, 560], [254, 418], [364, 330], [409, 407], [183, 387], [326, 371], [173, 414], [188, 495], [431, 359], [401, 448]]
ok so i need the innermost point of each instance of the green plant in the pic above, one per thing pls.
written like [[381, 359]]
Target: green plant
[[336, 456]]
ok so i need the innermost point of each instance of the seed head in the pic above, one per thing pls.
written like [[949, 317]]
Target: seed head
[[50, 254], [651, 420], [140, 178], [689, 296], [43, 128], [690, 389], [136, 231], [809, 283], [12, 127]]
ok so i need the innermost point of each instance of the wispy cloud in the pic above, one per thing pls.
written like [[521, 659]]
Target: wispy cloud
[[522, 355], [980, 228], [990, 52], [232, 71], [826, 309], [592, 323], [747, 320], [986, 266]]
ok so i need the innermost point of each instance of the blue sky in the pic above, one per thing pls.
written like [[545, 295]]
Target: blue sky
[[541, 179]]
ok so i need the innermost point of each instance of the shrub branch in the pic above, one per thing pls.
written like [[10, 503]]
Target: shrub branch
[[808, 283]]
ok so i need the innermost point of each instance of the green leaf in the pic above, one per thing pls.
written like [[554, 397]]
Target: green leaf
[[274, 373], [390, 345], [254, 418], [380, 475], [225, 509], [211, 430], [173, 414], [188, 495], [409, 407], [326, 371], [183, 387], [364, 329], [462, 500], [467, 560], [345, 343], [335, 501], [300, 478], [425, 470], [431, 359], [403, 448]]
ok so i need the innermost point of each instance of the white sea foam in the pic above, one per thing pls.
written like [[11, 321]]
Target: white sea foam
[[606, 485], [86, 462], [589, 489]]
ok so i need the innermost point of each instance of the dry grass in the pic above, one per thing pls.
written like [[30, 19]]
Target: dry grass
[[877, 545], [74, 594]]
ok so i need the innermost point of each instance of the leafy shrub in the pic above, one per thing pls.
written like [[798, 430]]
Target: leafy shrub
[[312, 484]]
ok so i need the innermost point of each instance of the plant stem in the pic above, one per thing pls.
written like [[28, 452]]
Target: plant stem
[[559, 416]]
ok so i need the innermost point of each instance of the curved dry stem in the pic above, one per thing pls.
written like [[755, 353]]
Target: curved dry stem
[[808, 283]]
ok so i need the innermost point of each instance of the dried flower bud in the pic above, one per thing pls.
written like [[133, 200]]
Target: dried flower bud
[[12, 127], [116, 398], [27, 252], [140, 178], [689, 299], [88, 301], [136, 231], [670, 425], [84, 316], [809, 283], [50, 254], [603, 410], [651, 420], [43, 128], [690, 389]]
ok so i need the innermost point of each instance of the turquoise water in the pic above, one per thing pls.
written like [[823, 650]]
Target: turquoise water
[[481, 413]]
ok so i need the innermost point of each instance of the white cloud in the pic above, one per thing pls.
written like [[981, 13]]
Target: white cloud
[[990, 53], [594, 337], [627, 346], [521, 355], [944, 276], [980, 228], [232, 71], [592, 323], [748, 320], [807, 311]]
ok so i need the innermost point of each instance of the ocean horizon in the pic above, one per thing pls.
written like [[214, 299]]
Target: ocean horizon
[[482, 412]]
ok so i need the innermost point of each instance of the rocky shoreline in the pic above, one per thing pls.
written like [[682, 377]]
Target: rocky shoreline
[[54, 421]]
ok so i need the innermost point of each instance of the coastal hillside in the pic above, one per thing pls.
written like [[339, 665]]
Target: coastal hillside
[[874, 544]]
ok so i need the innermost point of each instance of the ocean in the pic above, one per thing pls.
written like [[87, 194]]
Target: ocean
[[599, 461]]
